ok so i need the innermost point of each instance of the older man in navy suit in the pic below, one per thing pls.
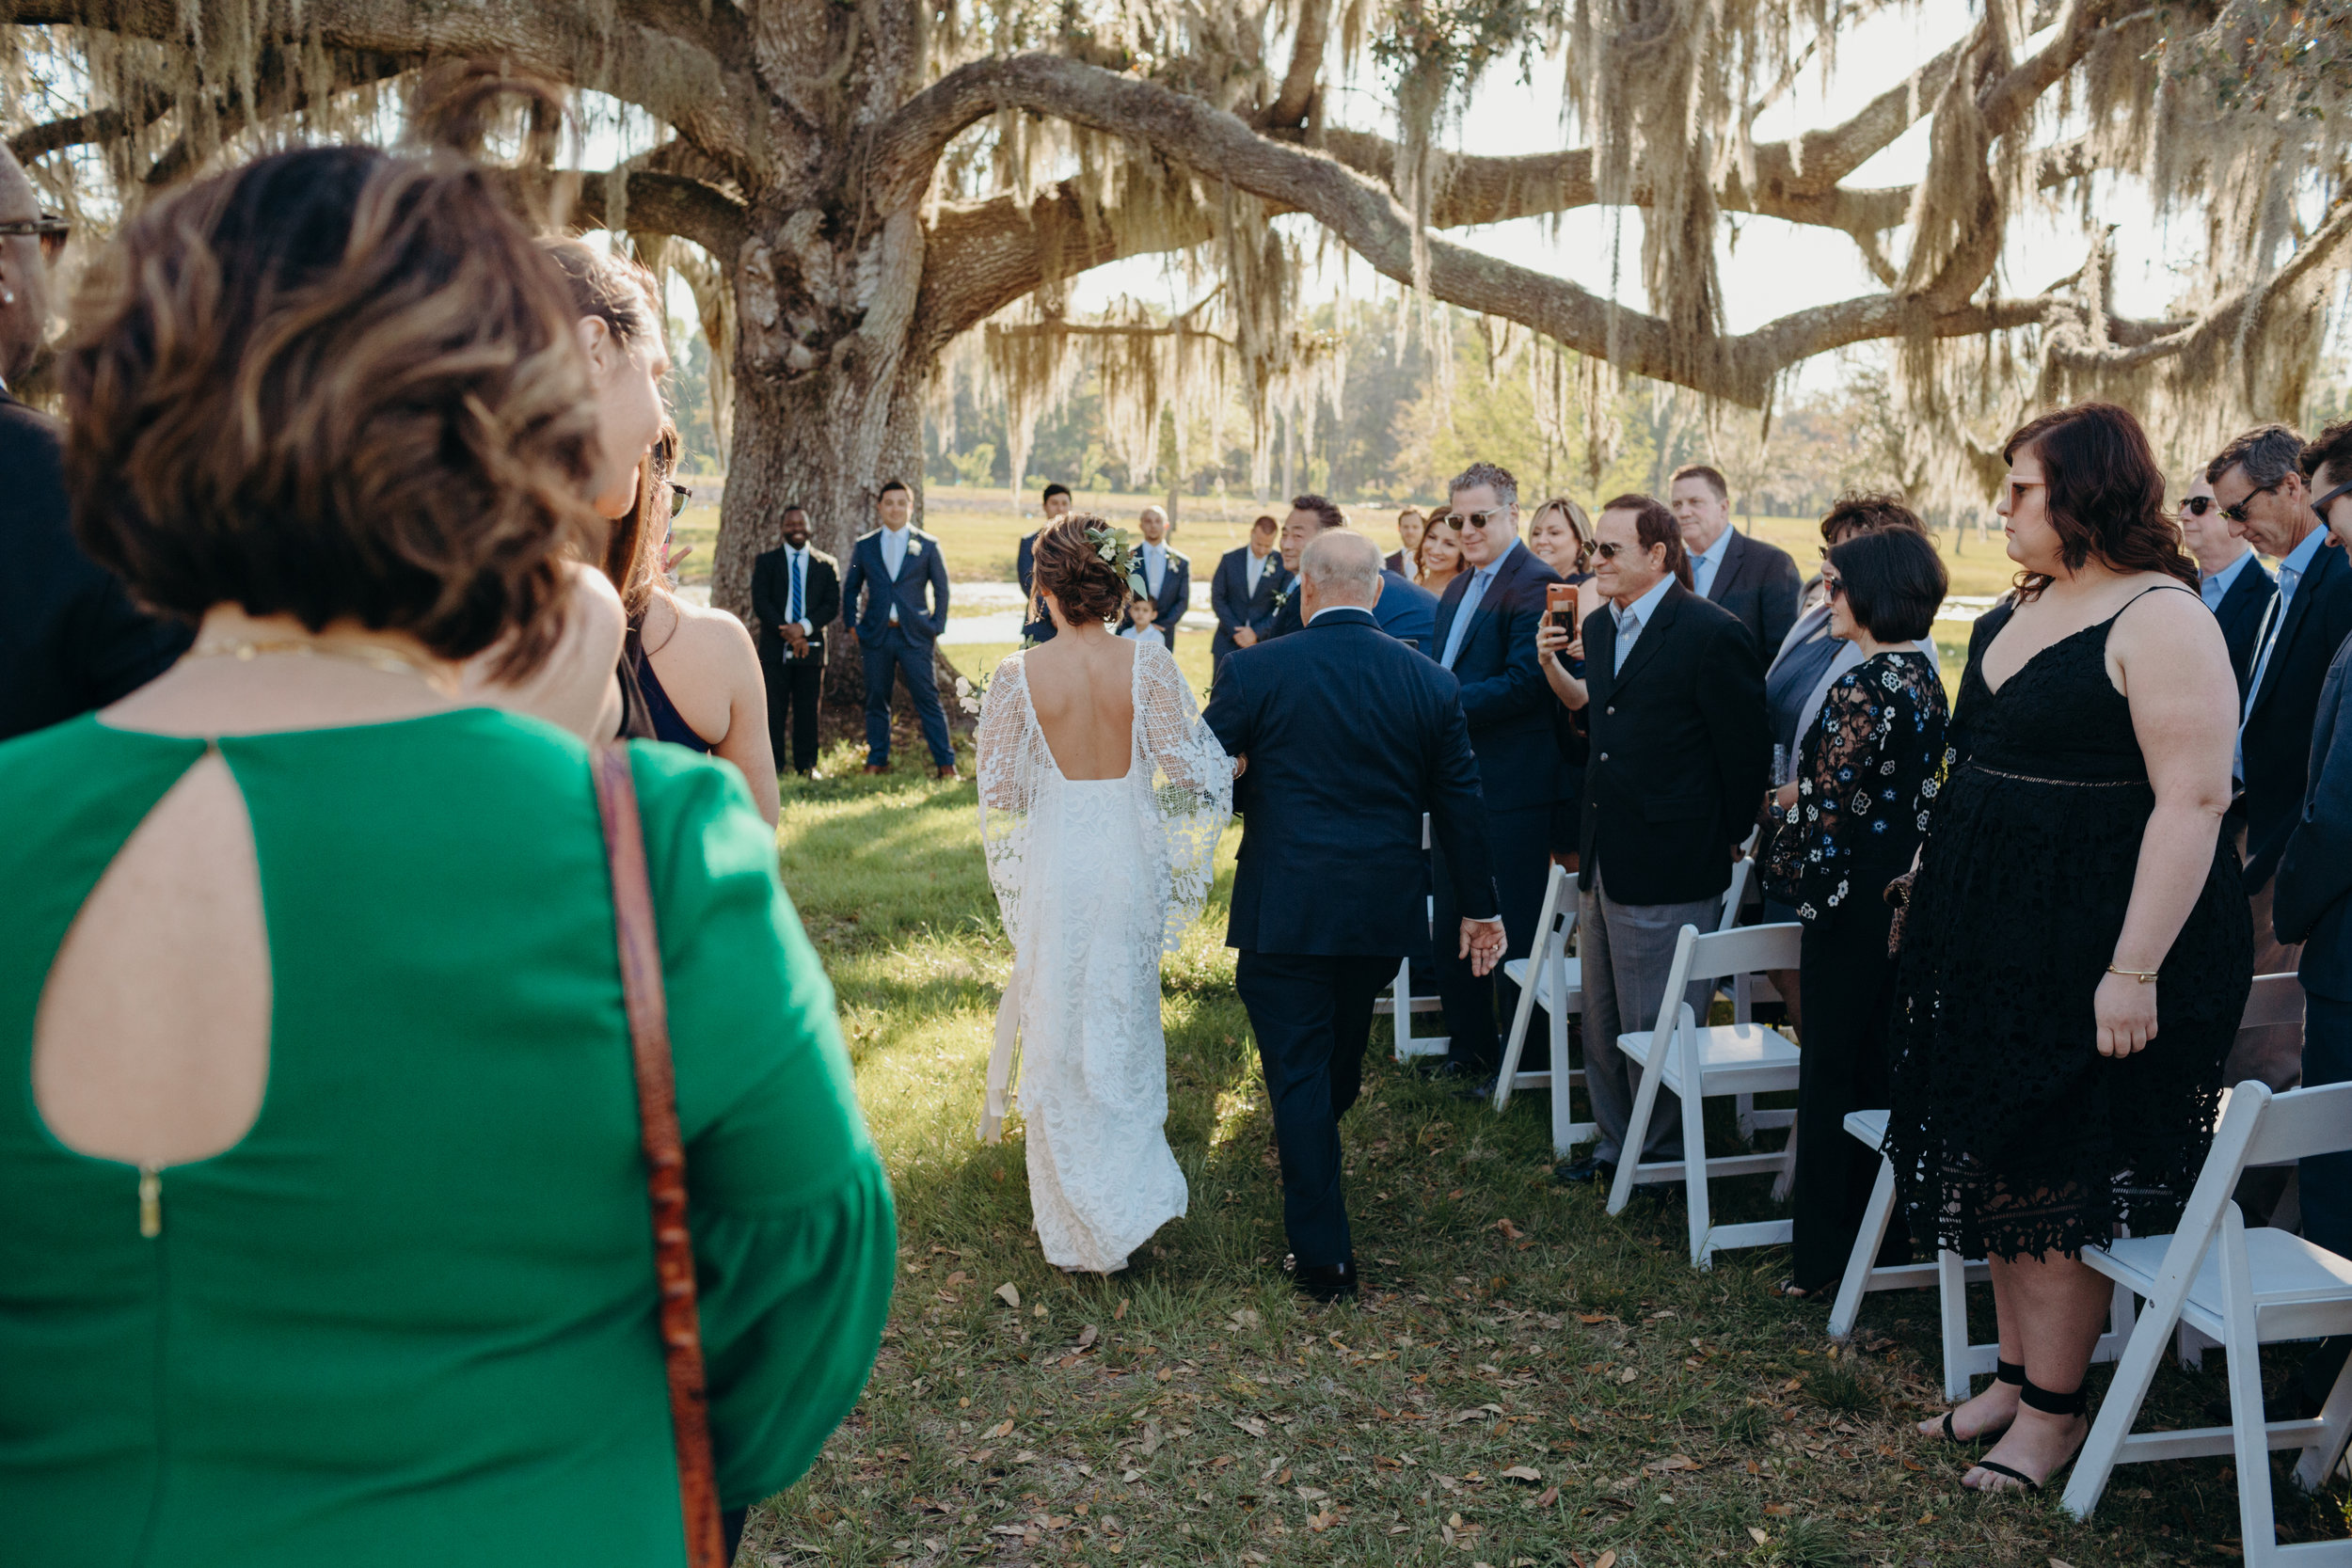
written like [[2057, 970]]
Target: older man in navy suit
[[1486, 634], [896, 631], [1405, 610], [1349, 738]]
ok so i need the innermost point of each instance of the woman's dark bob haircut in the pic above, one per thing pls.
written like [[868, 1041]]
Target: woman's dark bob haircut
[[2106, 494], [337, 385], [1894, 583]]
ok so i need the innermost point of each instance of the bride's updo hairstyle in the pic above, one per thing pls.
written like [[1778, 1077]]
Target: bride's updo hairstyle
[[1070, 566]]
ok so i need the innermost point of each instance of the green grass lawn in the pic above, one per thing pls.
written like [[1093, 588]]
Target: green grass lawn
[[1526, 1382]]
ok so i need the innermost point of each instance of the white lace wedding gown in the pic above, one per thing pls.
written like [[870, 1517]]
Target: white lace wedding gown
[[1095, 880]]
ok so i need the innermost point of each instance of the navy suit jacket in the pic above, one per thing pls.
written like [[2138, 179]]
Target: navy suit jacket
[[925, 566], [1234, 604], [1758, 583], [1024, 562], [2241, 612], [1405, 610], [2313, 902], [1174, 597], [1503, 693], [2278, 732], [1679, 750], [1351, 736], [70, 640]]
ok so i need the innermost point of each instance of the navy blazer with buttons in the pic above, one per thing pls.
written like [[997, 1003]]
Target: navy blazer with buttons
[[2241, 612], [1174, 597], [1406, 611], [1760, 584], [2313, 902], [1503, 693], [2277, 729], [1351, 736], [924, 566], [1025, 563], [1234, 604]]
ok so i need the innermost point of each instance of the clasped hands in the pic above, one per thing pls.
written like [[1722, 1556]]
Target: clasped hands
[[1483, 942]]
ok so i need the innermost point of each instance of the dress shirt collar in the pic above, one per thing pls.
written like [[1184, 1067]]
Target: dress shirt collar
[[1486, 574], [2223, 580], [1364, 611], [1714, 553], [2300, 558], [1646, 606]]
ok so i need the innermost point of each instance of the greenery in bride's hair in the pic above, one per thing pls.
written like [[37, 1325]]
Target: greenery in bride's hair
[[1111, 545]]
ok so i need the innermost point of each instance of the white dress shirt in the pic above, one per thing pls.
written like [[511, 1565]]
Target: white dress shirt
[[1253, 569], [1154, 567], [1704, 563], [1635, 618], [893, 554]]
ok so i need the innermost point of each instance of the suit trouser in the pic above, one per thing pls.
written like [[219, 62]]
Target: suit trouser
[[2325, 1181], [794, 686], [1624, 953], [1311, 1014], [885, 655], [1520, 842]]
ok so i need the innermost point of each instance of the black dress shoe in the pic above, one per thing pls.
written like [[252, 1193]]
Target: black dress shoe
[[1325, 1281], [1483, 1089], [1585, 1172]]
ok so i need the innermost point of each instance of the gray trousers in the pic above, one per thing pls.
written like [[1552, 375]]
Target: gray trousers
[[1625, 952]]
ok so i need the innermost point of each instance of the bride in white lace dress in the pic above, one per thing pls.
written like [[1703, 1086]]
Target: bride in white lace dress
[[1102, 799]]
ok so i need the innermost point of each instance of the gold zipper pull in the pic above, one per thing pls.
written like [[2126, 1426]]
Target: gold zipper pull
[[151, 1201]]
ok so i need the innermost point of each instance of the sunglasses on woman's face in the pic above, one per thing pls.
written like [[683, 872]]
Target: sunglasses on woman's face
[[53, 231], [679, 495], [2196, 506], [1833, 584]]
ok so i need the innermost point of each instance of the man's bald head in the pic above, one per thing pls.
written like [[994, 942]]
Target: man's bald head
[[23, 275], [1341, 567]]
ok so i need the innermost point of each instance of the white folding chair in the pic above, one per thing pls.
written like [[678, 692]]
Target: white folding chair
[[1401, 1004], [2244, 1288], [1697, 1061], [1549, 978]]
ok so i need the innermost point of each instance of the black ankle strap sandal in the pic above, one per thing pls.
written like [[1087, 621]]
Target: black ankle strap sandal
[[2010, 1372], [2034, 1397]]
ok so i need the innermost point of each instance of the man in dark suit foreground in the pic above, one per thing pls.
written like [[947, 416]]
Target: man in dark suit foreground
[[1242, 592], [2267, 499], [2231, 578], [1679, 750], [70, 640], [2315, 910], [902, 577], [1486, 634], [1349, 737], [1756, 581], [796, 593]]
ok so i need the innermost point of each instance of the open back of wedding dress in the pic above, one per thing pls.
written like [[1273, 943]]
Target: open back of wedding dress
[[1095, 878]]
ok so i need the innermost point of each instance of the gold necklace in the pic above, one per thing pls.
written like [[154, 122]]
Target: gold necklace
[[392, 661]]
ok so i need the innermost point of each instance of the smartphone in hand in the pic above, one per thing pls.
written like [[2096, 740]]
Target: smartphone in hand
[[1560, 604]]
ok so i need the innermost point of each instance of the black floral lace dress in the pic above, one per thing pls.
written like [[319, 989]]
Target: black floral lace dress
[[2011, 1135]]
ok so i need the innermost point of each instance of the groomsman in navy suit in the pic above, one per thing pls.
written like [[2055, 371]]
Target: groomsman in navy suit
[[1756, 581], [1242, 592], [1486, 634], [1349, 738], [2231, 580], [1054, 504], [896, 631], [1406, 611], [1167, 576]]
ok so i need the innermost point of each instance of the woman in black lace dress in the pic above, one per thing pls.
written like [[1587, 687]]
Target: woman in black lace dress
[[2077, 948], [1866, 773]]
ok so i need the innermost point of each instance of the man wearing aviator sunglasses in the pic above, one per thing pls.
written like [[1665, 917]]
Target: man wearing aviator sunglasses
[[2231, 580]]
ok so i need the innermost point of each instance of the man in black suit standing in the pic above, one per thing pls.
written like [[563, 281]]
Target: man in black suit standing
[[2266, 500], [2231, 580], [1679, 753], [796, 593], [1054, 503], [1167, 576], [70, 640], [901, 576], [1406, 612], [1486, 634], [1349, 737], [1242, 593], [1756, 581]]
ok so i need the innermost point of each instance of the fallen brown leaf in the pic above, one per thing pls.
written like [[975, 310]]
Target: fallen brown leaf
[[1087, 1337], [1010, 1295], [1002, 1429], [1520, 1472], [1119, 1312], [1251, 1425], [1509, 1230]]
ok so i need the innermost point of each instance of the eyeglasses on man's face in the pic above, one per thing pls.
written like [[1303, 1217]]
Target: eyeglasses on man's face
[[2196, 506], [1609, 549], [1479, 520], [2237, 514], [53, 230], [2323, 502]]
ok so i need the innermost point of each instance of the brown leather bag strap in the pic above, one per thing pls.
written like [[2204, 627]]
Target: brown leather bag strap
[[640, 946]]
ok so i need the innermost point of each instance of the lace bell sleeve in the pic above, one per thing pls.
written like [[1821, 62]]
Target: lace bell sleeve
[[1007, 743], [1191, 781], [1838, 763]]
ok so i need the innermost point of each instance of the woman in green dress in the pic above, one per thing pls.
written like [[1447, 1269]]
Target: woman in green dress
[[324, 1230]]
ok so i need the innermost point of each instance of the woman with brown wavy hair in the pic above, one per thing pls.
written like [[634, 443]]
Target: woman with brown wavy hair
[[327, 1237], [2077, 949]]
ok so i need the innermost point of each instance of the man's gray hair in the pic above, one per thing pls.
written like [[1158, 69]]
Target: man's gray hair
[[1344, 565], [2268, 452], [1492, 475]]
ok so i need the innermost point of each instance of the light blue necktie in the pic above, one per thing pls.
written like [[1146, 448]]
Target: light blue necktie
[[1470, 595], [1628, 629]]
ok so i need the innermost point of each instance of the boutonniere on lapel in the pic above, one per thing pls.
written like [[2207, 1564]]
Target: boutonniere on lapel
[[1282, 597], [915, 546]]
